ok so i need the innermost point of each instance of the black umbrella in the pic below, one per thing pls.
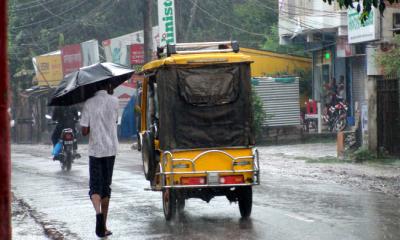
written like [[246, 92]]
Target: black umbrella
[[78, 86]]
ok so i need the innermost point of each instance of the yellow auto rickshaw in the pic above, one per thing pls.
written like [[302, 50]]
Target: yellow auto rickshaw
[[196, 125]]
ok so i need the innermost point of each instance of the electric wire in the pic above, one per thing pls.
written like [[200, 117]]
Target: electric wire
[[14, 9], [224, 23], [47, 19], [306, 23]]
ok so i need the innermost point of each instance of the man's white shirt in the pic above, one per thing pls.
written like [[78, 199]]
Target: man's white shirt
[[100, 113]]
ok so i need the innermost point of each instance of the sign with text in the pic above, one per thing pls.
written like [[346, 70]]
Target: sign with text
[[362, 32], [48, 69], [137, 54], [166, 22], [71, 58]]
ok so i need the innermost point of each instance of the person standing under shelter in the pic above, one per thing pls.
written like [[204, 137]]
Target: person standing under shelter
[[99, 121]]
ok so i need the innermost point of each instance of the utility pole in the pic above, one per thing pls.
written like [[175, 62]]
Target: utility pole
[[147, 30], [5, 163]]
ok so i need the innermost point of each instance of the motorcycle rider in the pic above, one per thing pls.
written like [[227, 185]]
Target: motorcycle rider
[[65, 117]]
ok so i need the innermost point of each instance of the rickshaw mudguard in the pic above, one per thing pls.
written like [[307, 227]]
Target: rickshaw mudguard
[[210, 164]]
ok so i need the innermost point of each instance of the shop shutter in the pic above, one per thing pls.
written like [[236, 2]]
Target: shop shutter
[[280, 100], [359, 75]]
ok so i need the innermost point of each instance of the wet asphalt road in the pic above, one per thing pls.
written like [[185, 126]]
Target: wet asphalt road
[[285, 207]]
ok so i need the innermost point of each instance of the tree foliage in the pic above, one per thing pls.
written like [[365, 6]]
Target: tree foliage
[[272, 44], [259, 114], [390, 60], [38, 26], [366, 5]]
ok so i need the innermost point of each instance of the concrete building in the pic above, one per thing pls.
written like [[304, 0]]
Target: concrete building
[[344, 49]]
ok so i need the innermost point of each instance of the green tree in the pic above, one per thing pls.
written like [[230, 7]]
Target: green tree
[[37, 27], [272, 44], [390, 60], [367, 5], [259, 114]]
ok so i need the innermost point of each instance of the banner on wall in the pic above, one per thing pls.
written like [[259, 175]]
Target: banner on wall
[[137, 54], [343, 48], [71, 58], [364, 123], [116, 49], [90, 52], [166, 22]]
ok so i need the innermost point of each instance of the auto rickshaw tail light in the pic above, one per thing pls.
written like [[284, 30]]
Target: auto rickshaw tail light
[[233, 179], [193, 180]]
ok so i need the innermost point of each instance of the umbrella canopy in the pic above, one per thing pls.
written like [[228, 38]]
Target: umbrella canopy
[[80, 85]]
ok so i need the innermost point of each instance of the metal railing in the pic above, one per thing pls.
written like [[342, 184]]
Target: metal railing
[[164, 161], [202, 47]]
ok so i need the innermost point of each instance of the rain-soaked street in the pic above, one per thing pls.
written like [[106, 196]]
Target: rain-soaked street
[[286, 205]]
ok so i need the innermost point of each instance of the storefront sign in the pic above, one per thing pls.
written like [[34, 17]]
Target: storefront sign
[[362, 32], [166, 22], [48, 69], [137, 54], [71, 58]]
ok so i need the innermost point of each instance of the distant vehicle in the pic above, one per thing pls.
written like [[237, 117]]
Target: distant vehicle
[[64, 149], [336, 116], [196, 133]]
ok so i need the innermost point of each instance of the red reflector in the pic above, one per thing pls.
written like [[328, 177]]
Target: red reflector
[[68, 136], [234, 179], [193, 180]]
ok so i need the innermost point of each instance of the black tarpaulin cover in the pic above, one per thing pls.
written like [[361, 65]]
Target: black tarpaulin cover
[[205, 107]]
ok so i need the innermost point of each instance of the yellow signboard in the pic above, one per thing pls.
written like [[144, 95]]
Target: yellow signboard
[[48, 69]]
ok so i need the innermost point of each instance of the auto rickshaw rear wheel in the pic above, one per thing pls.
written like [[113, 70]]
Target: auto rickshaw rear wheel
[[148, 155], [245, 199], [169, 203]]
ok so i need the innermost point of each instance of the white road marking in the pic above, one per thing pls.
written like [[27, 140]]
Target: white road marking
[[298, 217]]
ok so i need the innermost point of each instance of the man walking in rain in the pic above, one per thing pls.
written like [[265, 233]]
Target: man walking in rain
[[99, 121]]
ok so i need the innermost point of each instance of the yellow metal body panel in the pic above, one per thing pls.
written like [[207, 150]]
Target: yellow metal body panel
[[212, 161], [197, 59], [267, 63]]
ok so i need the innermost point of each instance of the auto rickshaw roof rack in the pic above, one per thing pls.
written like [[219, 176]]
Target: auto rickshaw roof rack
[[200, 47]]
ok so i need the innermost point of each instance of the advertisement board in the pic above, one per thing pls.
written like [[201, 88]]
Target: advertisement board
[[48, 69], [71, 58], [137, 54], [90, 52], [362, 32], [343, 48], [116, 49], [166, 22]]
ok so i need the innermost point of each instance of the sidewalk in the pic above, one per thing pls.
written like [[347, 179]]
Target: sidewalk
[[318, 161], [24, 225]]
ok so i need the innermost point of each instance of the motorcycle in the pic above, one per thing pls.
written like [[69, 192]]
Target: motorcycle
[[336, 116], [64, 150]]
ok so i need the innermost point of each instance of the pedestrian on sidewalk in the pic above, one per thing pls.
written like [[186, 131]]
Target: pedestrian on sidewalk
[[99, 121]]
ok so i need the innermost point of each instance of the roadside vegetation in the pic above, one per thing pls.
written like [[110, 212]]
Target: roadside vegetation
[[360, 156]]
